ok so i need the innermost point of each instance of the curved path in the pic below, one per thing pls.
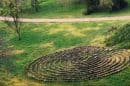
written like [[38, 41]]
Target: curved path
[[63, 20], [79, 64]]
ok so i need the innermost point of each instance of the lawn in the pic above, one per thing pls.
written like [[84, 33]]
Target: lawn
[[52, 9], [40, 39]]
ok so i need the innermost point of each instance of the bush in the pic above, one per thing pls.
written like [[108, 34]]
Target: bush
[[106, 4], [111, 5], [120, 37]]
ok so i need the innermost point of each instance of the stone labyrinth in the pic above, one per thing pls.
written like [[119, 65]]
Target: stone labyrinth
[[80, 63]]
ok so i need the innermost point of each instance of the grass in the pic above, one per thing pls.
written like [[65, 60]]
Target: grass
[[120, 37], [40, 39], [51, 9]]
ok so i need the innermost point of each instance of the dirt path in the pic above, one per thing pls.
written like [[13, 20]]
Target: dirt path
[[63, 20]]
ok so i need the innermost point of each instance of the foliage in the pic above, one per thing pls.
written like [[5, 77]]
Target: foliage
[[35, 5], [13, 9], [106, 4], [111, 5], [119, 37]]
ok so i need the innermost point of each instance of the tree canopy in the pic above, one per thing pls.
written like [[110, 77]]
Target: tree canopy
[[111, 5]]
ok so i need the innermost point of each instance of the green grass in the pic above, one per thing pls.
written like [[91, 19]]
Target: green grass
[[120, 38], [51, 9], [40, 39]]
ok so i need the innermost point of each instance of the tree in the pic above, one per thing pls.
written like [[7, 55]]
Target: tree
[[12, 8], [119, 4], [106, 4], [91, 6], [111, 5], [35, 5]]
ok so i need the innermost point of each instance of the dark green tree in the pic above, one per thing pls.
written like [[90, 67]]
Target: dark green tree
[[13, 9], [35, 5], [111, 5]]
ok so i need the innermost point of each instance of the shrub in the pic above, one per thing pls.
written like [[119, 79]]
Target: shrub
[[111, 5], [119, 37], [106, 4]]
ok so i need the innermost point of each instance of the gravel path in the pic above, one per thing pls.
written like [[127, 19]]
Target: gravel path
[[63, 20]]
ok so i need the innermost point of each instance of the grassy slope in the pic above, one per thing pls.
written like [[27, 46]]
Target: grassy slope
[[51, 9], [40, 39]]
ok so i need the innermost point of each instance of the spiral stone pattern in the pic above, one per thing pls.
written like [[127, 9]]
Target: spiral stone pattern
[[80, 63]]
